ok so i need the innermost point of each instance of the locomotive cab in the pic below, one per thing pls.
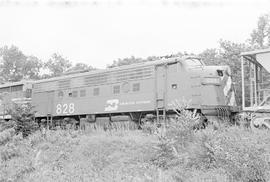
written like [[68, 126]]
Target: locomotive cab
[[211, 88], [207, 89]]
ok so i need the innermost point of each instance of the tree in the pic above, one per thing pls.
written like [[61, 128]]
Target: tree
[[228, 53], [126, 61], [260, 36], [133, 60], [16, 66], [32, 67], [57, 65], [210, 57], [24, 117], [12, 63], [80, 67]]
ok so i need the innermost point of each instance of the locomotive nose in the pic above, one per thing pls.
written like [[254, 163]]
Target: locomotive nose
[[222, 71], [217, 86]]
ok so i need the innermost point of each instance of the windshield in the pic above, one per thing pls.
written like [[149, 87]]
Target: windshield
[[193, 62]]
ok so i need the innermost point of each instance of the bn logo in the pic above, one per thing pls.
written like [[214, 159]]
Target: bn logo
[[112, 105]]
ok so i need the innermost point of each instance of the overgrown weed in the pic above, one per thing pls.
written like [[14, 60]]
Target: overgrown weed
[[230, 152]]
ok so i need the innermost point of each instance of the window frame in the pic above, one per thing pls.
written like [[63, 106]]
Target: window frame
[[84, 93], [136, 87], [96, 91], [116, 89], [60, 94], [74, 93]]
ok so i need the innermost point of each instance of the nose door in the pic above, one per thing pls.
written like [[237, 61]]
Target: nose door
[[195, 89]]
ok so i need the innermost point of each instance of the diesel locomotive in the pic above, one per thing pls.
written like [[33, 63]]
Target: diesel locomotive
[[133, 90]]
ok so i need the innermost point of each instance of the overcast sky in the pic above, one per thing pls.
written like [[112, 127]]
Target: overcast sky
[[98, 32]]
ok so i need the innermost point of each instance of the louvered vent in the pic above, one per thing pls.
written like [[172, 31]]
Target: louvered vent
[[5, 89], [134, 74], [64, 84], [37, 87], [96, 79]]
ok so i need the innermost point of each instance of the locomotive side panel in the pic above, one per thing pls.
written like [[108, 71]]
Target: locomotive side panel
[[43, 103], [105, 99], [124, 90], [178, 84]]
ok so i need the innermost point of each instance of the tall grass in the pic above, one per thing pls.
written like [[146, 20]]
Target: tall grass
[[230, 153], [175, 151]]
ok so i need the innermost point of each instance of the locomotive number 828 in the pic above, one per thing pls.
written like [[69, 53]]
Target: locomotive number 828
[[65, 108]]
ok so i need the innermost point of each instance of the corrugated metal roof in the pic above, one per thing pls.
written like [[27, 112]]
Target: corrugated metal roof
[[115, 69], [9, 84], [119, 72]]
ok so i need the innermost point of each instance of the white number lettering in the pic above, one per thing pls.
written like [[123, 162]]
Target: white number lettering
[[58, 109], [65, 108], [71, 108]]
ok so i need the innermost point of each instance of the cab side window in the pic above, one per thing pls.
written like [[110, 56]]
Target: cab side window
[[60, 94], [116, 89], [82, 93], [74, 93], [136, 87], [96, 91]]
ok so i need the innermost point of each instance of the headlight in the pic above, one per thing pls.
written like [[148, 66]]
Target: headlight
[[211, 81]]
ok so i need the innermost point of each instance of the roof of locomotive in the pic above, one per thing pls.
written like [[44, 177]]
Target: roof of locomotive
[[9, 84], [149, 63]]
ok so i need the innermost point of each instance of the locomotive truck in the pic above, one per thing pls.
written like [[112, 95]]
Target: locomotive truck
[[134, 91]]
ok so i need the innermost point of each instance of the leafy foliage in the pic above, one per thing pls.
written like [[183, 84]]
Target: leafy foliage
[[228, 53], [6, 135], [237, 154], [126, 61], [134, 60], [9, 151], [80, 67], [7, 125], [32, 68], [23, 116], [57, 65], [182, 154], [71, 156], [16, 66], [260, 36]]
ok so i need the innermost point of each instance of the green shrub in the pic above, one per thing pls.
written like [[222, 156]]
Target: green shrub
[[6, 135], [243, 154], [23, 116], [149, 127], [238, 153], [8, 151], [7, 124]]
